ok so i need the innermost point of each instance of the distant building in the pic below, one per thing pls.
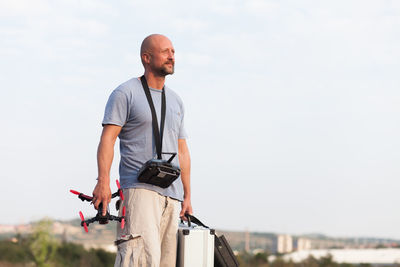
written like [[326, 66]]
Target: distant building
[[303, 244], [284, 244]]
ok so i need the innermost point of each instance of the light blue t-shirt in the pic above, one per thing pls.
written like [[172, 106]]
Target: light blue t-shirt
[[128, 107]]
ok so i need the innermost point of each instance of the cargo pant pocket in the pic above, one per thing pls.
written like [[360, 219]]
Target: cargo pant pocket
[[130, 252]]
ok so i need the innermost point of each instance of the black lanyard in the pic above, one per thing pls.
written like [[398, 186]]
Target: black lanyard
[[158, 133]]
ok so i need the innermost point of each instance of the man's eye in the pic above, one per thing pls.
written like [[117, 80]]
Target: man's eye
[[167, 51]]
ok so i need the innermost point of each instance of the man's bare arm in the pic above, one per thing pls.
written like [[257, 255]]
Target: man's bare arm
[[105, 155], [184, 162]]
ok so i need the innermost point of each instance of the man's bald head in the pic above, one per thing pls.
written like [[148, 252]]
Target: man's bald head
[[157, 54], [150, 43]]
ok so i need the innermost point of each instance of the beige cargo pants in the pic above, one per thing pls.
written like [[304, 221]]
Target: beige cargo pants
[[149, 238]]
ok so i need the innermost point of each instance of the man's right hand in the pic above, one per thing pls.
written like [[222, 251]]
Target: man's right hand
[[102, 194]]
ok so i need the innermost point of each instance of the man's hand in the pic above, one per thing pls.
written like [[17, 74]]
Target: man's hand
[[102, 194], [186, 208]]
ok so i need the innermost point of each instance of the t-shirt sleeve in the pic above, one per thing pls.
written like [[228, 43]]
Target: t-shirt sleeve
[[117, 109], [182, 131]]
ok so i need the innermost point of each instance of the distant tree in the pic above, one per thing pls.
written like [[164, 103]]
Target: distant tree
[[13, 252], [69, 254], [278, 262], [327, 261], [42, 244], [309, 262], [259, 259], [243, 259], [40, 249], [101, 258]]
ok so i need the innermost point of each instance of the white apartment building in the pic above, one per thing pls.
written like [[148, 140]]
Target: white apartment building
[[284, 244], [303, 244]]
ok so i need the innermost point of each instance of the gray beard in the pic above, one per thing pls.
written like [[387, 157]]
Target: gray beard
[[164, 71]]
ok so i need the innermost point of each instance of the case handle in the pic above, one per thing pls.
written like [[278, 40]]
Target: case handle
[[192, 219]]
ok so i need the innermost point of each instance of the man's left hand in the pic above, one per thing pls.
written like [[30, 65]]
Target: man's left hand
[[186, 208]]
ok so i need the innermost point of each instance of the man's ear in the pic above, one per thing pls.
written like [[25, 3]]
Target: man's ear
[[146, 58]]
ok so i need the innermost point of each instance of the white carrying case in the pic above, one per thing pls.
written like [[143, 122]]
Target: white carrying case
[[195, 246]]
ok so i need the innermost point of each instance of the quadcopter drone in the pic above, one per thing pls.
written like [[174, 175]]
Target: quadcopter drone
[[99, 217]]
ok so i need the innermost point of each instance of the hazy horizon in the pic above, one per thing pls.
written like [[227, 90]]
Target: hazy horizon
[[89, 215]]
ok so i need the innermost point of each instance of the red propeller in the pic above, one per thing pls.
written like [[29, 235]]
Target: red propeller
[[121, 195], [123, 218], [83, 220], [74, 192], [81, 196]]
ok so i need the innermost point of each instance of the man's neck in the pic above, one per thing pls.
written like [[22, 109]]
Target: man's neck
[[153, 81]]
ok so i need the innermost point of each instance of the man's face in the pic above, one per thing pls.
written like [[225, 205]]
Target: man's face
[[162, 57]]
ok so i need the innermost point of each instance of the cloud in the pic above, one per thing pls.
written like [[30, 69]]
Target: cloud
[[50, 31], [9, 8]]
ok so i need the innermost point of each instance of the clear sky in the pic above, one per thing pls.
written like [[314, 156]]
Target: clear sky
[[292, 107]]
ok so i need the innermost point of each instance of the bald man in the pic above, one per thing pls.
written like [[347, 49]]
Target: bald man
[[152, 213]]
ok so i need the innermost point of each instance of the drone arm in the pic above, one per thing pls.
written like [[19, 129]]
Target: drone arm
[[115, 218], [89, 221], [82, 196], [115, 194], [120, 219], [118, 193]]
